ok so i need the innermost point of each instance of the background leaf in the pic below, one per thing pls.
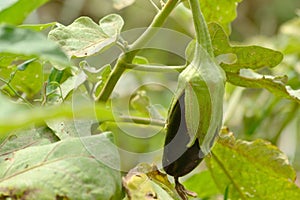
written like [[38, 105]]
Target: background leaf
[[120, 4], [85, 38], [222, 12], [252, 170], [24, 42], [28, 81], [63, 169], [15, 11]]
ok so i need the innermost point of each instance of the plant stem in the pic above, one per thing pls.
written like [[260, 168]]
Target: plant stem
[[119, 68], [15, 92], [201, 29], [155, 68], [142, 120]]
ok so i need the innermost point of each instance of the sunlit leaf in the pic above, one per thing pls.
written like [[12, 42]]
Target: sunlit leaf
[[63, 169], [15, 11], [24, 42], [84, 37], [252, 170]]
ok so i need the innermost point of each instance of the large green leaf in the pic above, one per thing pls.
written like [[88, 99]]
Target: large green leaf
[[15, 11], [84, 37], [253, 57], [64, 169], [23, 42], [24, 138], [276, 85], [252, 170]]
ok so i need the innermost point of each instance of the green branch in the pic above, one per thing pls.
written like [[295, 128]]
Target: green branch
[[120, 66], [156, 68], [15, 92]]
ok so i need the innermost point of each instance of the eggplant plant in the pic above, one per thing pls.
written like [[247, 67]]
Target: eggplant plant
[[96, 110]]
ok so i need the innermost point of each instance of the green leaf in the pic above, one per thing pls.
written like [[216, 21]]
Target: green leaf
[[22, 139], [22, 42], [15, 11], [70, 128], [63, 169], [219, 11], [85, 38], [120, 4], [252, 57], [252, 170], [274, 84], [203, 184], [27, 78], [111, 24]]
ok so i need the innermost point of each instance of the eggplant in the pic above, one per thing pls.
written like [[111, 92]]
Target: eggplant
[[178, 160]]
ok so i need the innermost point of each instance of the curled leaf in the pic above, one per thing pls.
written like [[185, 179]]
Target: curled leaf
[[276, 85]]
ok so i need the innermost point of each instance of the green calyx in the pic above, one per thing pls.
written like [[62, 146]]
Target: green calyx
[[203, 83]]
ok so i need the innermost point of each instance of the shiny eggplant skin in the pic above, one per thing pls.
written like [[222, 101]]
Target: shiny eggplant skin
[[178, 160]]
